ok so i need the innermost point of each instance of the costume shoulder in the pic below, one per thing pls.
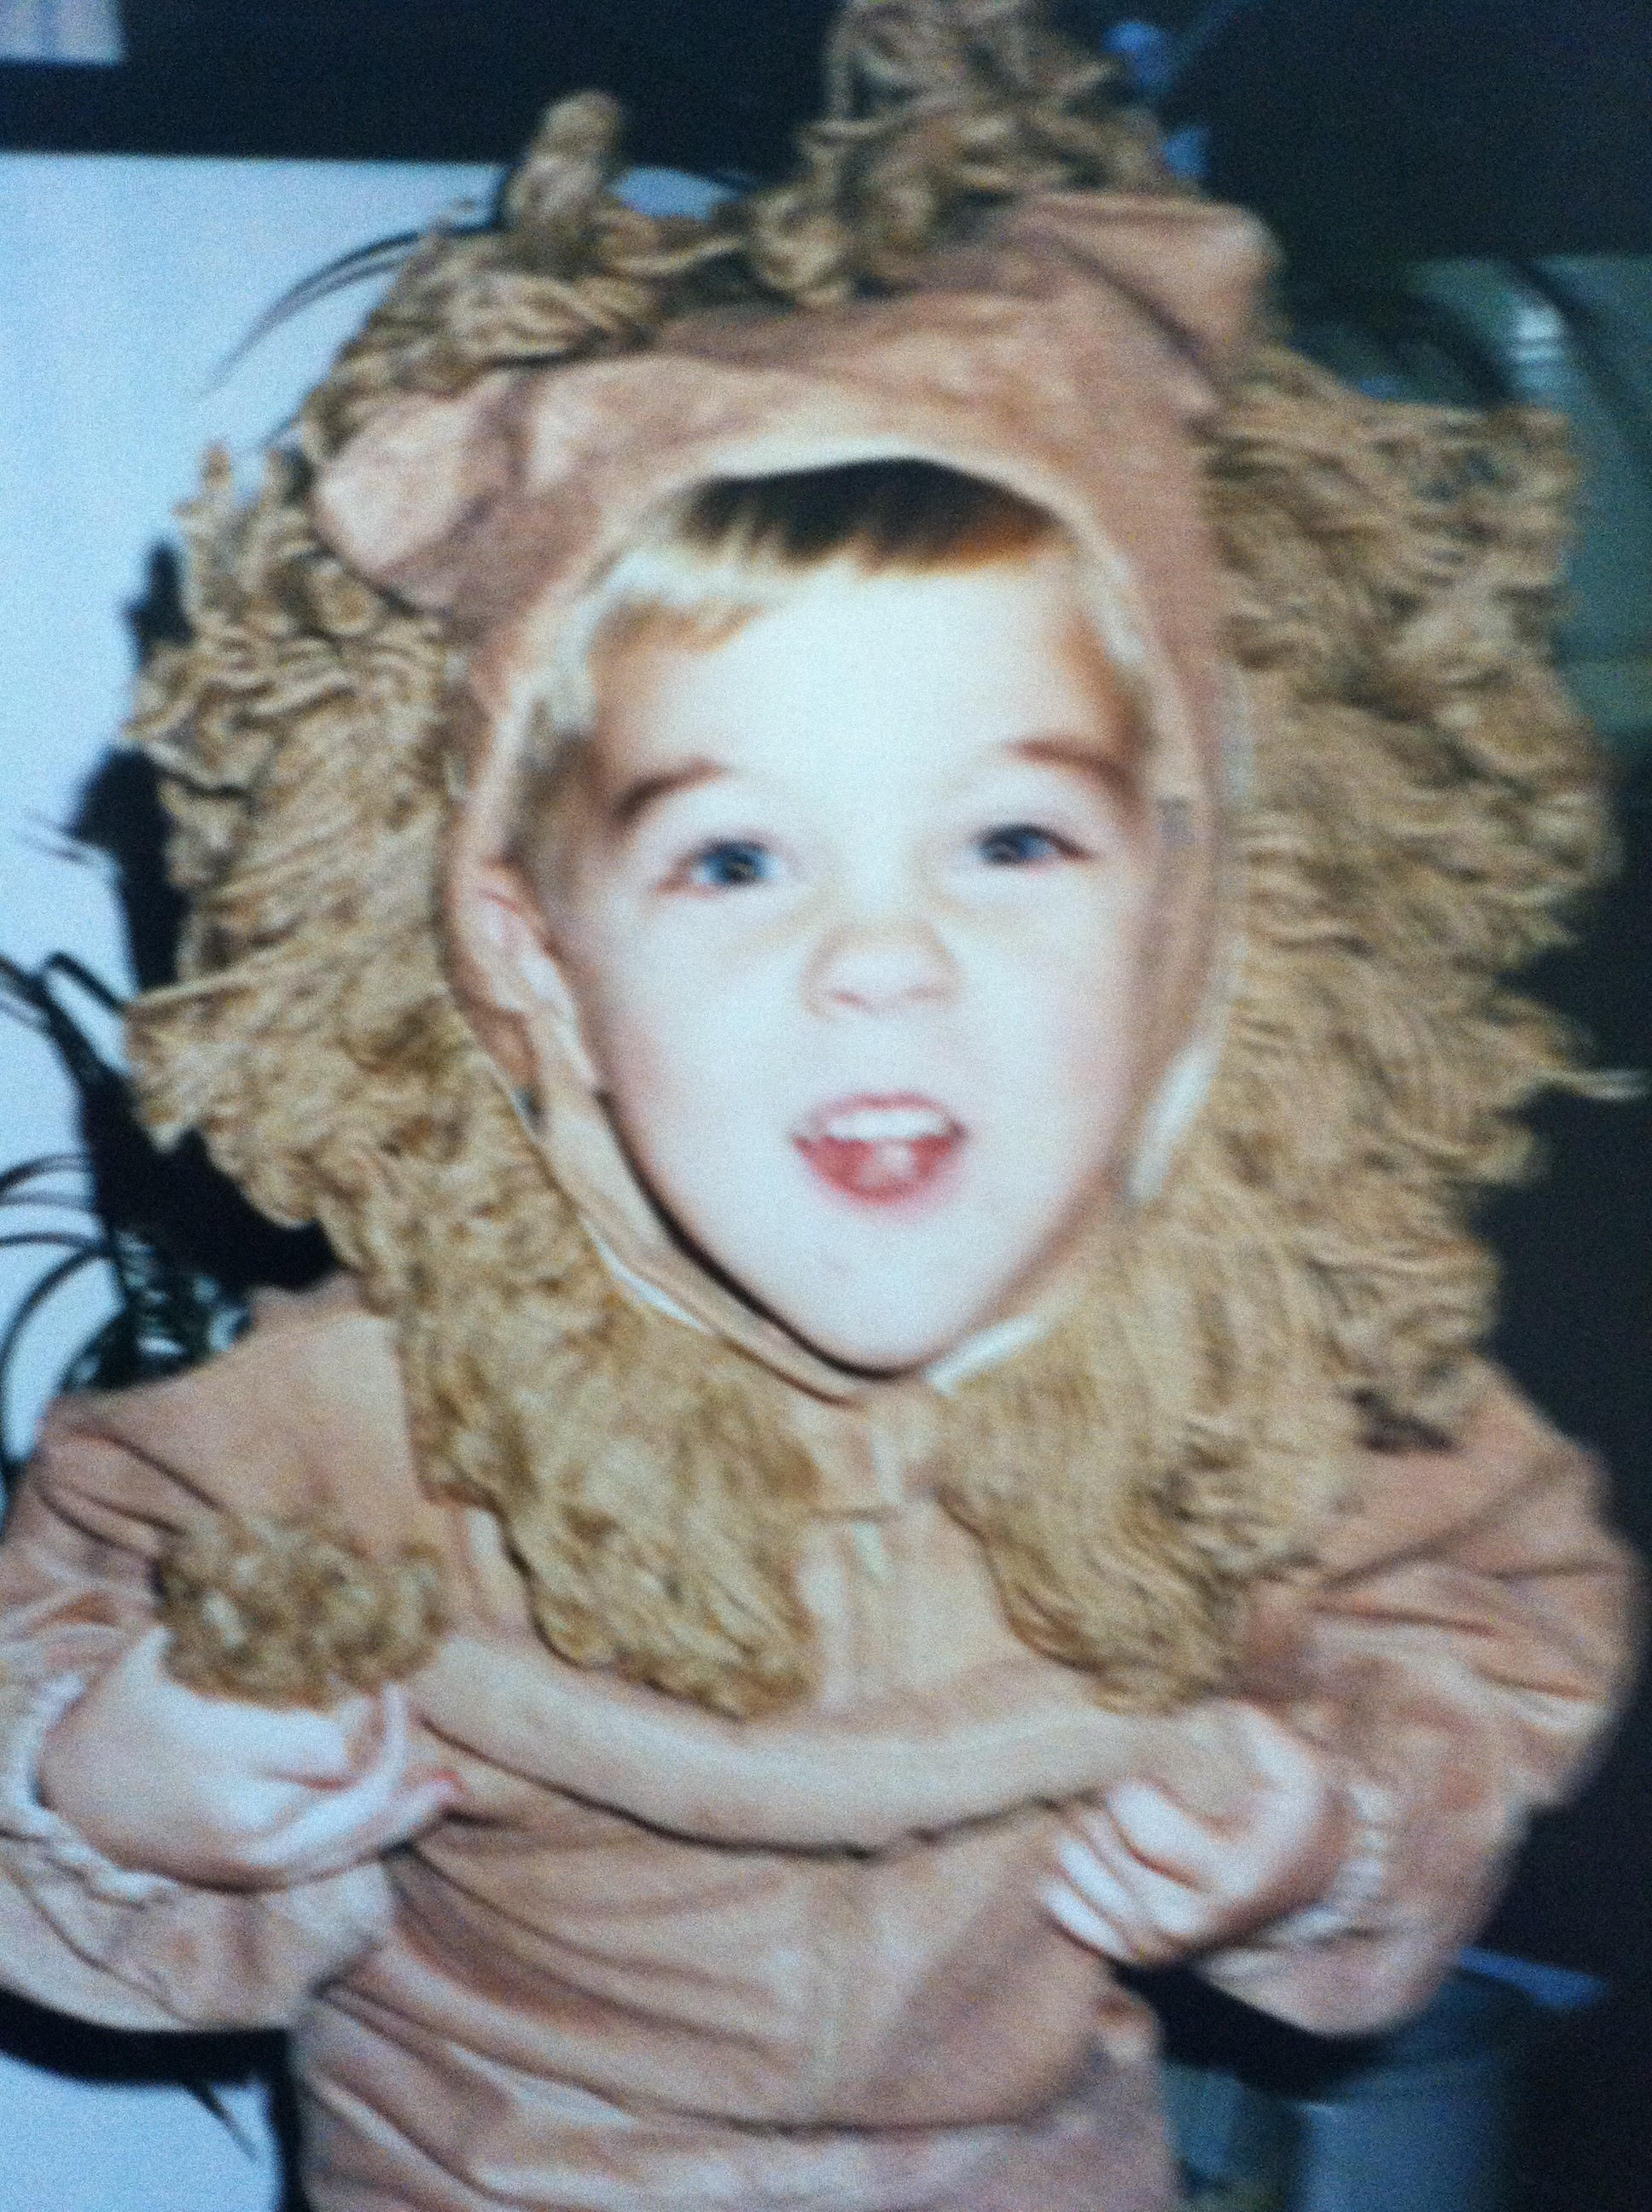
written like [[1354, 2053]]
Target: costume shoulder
[[303, 1417], [268, 1499], [1483, 1574], [1511, 1499], [1464, 1637]]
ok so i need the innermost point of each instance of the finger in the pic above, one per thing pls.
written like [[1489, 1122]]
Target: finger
[[383, 1805], [1159, 1911], [416, 1807], [320, 1752], [1286, 1761], [331, 1746], [1160, 1834], [1091, 1929], [225, 1832], [315, 1848], [330, 1827], [384, 1743], [287, 1743], [323, 1816], [1101, 1886], [384, 1753], [1294, 1795], [362, 1736]]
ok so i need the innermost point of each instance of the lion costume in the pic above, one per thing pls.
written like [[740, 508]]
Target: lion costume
[[768, 1683]]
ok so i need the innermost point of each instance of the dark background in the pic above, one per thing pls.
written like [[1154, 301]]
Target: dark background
[[1369, 133], [1380, 128]]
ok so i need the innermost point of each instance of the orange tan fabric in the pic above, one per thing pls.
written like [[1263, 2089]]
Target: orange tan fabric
[[664, 1958]]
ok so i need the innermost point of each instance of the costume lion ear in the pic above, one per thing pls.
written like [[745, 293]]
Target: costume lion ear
[[1197, 268], [402, 503]]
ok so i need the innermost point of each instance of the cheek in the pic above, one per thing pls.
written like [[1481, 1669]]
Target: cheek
[[648, 1045], [1069, 1017], [680, 1040], [1070, 1109]]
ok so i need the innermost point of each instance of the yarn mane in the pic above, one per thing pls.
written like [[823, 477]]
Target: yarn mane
[[1424, 806]]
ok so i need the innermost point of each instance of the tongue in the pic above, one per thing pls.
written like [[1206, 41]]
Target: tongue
[[878, 1168]]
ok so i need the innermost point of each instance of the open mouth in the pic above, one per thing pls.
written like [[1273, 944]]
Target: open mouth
[[880, 1150]]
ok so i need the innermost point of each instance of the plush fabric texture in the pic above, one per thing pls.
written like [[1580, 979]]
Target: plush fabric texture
[[295, 1613], [660, 1957], [1422, 805]]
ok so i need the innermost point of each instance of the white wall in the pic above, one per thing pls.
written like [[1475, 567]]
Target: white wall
[[126, 283]]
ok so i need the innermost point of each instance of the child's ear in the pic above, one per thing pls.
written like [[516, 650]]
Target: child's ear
[[516, 993]]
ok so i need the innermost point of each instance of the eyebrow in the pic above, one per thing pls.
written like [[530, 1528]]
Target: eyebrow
[[1118, 776], [637, 798]]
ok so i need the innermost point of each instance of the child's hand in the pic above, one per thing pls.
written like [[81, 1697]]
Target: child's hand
[[1144, 1881], [160, 1778]]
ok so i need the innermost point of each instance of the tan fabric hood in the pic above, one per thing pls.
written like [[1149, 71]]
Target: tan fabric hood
[[1069, 354]]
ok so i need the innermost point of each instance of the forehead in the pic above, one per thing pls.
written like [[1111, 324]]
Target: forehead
[[847, 668]]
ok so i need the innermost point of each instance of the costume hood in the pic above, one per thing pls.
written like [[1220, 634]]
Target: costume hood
[[1301, 1278], [1069, 354]]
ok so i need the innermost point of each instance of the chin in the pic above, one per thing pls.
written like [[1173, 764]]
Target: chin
[[872, 1351]]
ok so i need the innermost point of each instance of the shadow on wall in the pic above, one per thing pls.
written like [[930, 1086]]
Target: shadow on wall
[[237, 2085]]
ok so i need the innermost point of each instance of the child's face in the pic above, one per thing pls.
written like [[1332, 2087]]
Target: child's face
[[852, 905]]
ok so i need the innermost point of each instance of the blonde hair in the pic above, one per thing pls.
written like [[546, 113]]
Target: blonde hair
[[709, 561], [1425, 804]]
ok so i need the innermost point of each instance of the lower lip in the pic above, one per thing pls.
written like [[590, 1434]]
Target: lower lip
[[887, 1172]]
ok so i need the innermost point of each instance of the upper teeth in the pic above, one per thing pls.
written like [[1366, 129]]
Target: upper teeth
[[886, 1125]]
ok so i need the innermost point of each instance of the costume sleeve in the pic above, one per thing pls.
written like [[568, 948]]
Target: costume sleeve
[[1466, 1640], [76, 1931]]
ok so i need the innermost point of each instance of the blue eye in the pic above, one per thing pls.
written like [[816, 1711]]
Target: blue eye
[[1019, 845], [730, 865]]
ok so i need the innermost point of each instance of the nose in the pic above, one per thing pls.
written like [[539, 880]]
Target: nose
[[879, 967]]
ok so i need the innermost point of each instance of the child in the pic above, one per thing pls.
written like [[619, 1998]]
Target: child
[[874, 928]]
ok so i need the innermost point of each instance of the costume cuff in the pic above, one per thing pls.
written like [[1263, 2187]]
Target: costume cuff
[[1359, 1880], [26, 1817]]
